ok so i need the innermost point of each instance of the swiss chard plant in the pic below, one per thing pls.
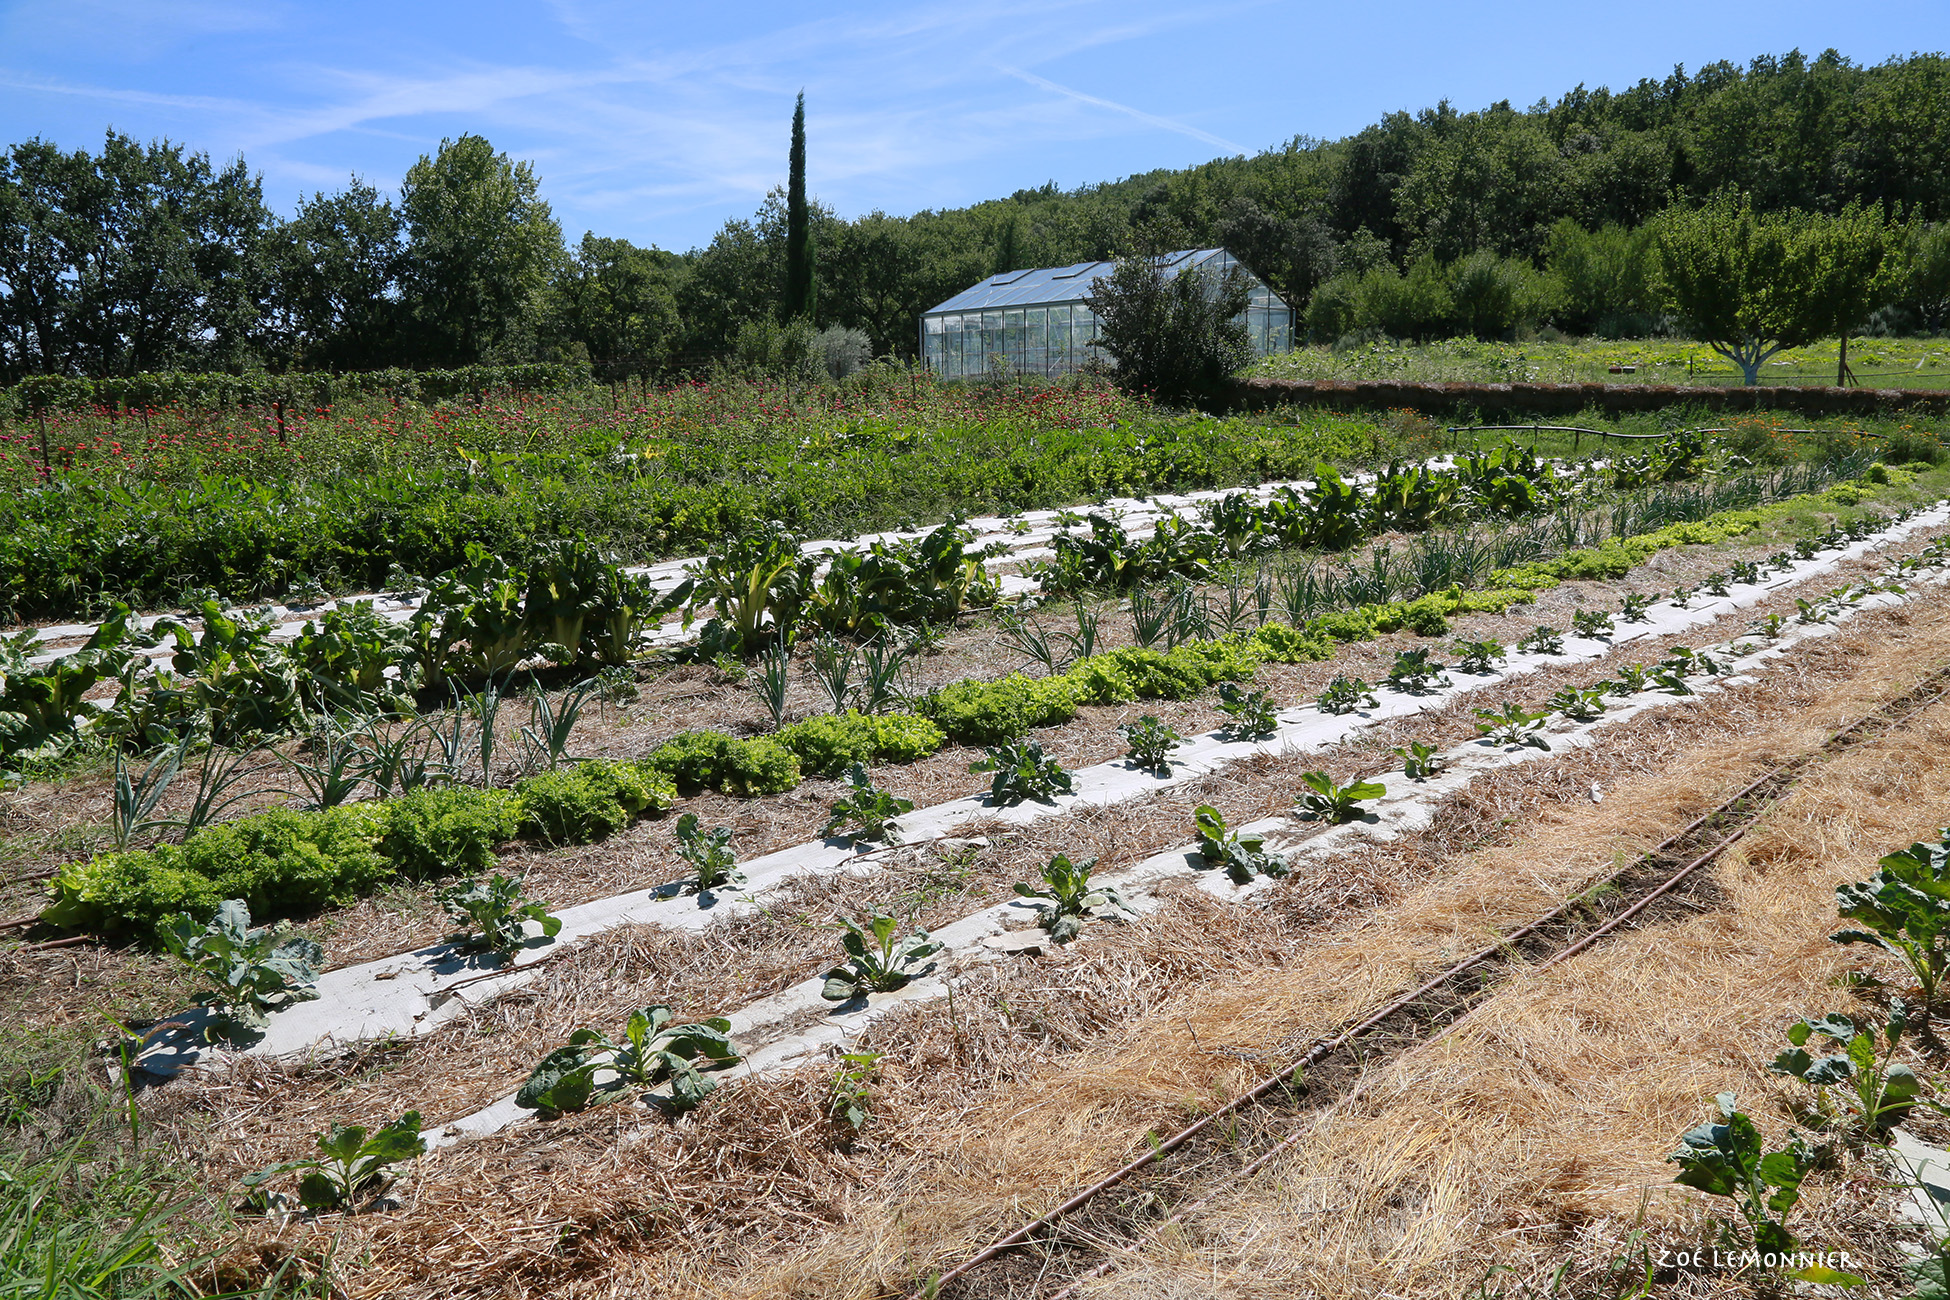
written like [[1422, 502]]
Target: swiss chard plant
[[867, 813], [1906, 909], [1068, 897], [493, 916], [1241, 854], [1512, 726], [250, 972], [1023, 772], [1345, 695], [1877, 1090], [708, 854], [1419, 761], [352, 1161], [1150, 743], [1325, 801], [1542, 640], [1479, 657], [1250, 715], [592, 1069], [1413, 672], [879, 959], [1591, 622]]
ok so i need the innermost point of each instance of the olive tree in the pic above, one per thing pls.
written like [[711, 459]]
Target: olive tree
[[1172, 334], [1751, 284]]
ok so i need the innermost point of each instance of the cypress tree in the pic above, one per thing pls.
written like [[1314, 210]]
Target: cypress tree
[[798, 225]]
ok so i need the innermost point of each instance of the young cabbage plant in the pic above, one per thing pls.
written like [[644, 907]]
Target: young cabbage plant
[[1023, 772], [1716, 584], [866, 813], [1688, 662], [1479, 657], [1879, 1090], [1542, 640], [1682, 596], [1414, 673], [1727, 1158], [1577, 705], [1631, 679], [1419, 761], [494, 916], [1671, 681], [1346, 694], [592, 1070], [1241, 854], [1746, 571], [1069, 898], [708, 853], [351, 1161], [1252, 715], [252, 971], [1324, 801], [1635, 607], [1906, 907], [1151, 743], [1591, 622], [851, 1100], [878, 959], [1513, 726]]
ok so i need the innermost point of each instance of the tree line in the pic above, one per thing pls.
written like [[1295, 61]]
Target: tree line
[[145, 257]]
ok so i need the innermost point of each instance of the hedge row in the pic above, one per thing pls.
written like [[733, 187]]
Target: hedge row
[[1568, 399], [150, 391]]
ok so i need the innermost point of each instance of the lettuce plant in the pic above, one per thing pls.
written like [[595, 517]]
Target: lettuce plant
[[592, 1070]]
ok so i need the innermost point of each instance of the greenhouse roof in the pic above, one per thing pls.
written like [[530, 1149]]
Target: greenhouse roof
[[1051, 283]]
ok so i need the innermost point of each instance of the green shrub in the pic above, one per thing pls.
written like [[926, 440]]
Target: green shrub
[[445, 830], [830, 744], [1280, 644], [712, 760], [573, 805], [993, 713]]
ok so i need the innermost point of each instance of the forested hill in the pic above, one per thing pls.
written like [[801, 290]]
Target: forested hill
[[356, 280]]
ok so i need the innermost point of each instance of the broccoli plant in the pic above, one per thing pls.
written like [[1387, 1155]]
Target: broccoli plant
[[1577, 705], [1670, 680], [592, 1070], [350, 1160], [252, 972], [1346, 694], [1334, 804], [708, 853], [1543, 641], [1023, 772], [1151, 743], [1479, 657], [494, 916], [1414, 673], [1879, 1090], [1512, 726], [1728, 1159], [867, 813], [878, 960], [1419, 761], [1069, 898], [1591, 622], [1242, 854], [1906, 907], [1252, 715]]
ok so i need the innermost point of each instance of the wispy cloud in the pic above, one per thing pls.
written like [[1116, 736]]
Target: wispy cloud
[[1152, 119]]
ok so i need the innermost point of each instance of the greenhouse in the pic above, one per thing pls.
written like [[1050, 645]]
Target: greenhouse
[[1038, 322]]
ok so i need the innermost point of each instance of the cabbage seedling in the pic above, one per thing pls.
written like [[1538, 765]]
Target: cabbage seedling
[[1513, 726], [1906, 907], [1716, 585], [1591, 622], [1414, 673], [867, 812], [1747, 571], [350, 1160], [253, 972], [1023, 772], [1151, 743], [1419, 761], [1543, 640], [1812, 611], [1635, 606], [1884, 1090], [1334, 804], [708, 853], [877, 959], [1727, 1159], [1242, 854], [1070, 898], [1345, 694], [592, 1070], [1252, 716], [1577, 705], [1682, 596], [850, 1100], [1632, 679], [1479, 657], [494, 915]]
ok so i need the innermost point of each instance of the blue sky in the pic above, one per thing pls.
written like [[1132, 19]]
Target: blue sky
[[658, 121]]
